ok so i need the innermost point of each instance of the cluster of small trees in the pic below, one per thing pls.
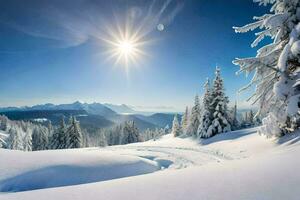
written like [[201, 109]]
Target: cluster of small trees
[[249, 119], [212, 118], [19, 134], [156, 133], [67, 137], [28, 136], [124, 133]]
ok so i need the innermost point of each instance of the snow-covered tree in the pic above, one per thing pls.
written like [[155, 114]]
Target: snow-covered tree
[[185, 120], [194, 119], [275, 66], [219, 101], [130, 133], [176, 130], [207, 112], [59, 137], [54, 140], [14, 140], [28, 142], [102, 142], [62, 135], [39, 138], [74, 139]]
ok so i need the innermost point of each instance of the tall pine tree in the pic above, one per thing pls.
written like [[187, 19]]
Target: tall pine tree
[[176, 130], [207, 112], [131, 133], [219, 101], [185, 120], [74, 134], [194, 118], [39, 138]]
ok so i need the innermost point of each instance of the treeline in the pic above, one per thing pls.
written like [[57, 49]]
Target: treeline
[[124, 133], [28, 136]]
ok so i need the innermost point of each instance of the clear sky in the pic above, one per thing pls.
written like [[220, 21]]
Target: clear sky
[[57, 51]]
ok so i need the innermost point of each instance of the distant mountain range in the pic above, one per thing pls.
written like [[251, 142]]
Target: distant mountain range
[[91, 116]]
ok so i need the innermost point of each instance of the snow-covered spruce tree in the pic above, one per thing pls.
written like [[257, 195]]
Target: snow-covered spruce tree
[[194, 120], [74, 139], [14, 140], [185, 120], [276, 66], [219, 101], [59, 137], [54, 140], [39, 138], [176, 130], [28, 142], [62, 135], [130, 133], [206, 113]]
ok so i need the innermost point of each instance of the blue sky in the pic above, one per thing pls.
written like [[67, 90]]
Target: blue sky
[[53, 51]]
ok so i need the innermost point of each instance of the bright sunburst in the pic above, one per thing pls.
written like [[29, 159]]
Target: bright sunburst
[[126, 47], [126, 44]]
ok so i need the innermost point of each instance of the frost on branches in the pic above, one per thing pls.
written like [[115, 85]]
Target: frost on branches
[[276, 66]]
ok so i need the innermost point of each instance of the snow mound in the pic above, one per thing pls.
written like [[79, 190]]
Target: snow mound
[[77, 167]]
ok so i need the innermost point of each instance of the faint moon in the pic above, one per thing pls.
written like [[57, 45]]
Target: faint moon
[[160, 27]]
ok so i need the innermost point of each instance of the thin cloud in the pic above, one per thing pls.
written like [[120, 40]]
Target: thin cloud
[[74, 24]]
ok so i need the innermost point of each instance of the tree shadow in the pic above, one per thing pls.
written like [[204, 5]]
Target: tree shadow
[[289, 139]]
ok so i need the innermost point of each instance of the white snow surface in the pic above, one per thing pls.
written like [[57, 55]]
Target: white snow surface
[[234, 165]]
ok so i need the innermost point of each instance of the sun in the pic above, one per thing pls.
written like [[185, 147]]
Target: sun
[[126, 47]]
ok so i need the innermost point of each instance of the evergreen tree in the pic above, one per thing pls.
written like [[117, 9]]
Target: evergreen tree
[[176, 130], [276, 66], [62, 135], [54, 140], [14, 140], [130, 133], [220, 122], [207, 112], [28, 142], [74, 139], [39, 138], [194, 121], [185, 120]]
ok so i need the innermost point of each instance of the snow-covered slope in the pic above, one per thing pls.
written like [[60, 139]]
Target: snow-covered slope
[[236, 165]]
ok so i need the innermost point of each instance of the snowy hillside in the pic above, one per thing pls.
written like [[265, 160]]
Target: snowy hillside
[[238, 165]]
